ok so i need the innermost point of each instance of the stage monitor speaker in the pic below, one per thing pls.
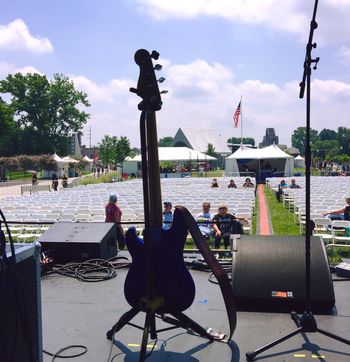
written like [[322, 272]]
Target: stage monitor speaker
[[21, 332], [67, 241], [268, 274]]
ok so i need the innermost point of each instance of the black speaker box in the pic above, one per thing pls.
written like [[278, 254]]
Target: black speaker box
[[67, 241], [21, 332], [268, 274]]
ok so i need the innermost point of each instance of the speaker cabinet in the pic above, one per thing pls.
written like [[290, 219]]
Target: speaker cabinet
[[21, 332], [268, 274], [67, 241]]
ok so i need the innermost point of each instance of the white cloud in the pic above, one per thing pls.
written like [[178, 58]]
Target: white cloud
[[16, 36], [283, 15], [8, 68], [344, 55], [205, 95], [291, 16]]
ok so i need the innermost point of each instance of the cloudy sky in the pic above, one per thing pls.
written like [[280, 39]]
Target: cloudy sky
[[213, 53]]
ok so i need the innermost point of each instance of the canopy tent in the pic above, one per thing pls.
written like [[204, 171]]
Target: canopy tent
[[264, 162], [175, 154], [88, 159], [299, 162], [69, 159]]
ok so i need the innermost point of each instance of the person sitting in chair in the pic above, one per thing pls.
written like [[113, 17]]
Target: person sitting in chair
[[341, 214], [205, 218], [224, 225]]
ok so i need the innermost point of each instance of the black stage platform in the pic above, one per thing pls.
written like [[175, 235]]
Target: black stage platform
[[80, 313]]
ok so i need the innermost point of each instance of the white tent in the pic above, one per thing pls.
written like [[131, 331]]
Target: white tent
[[264, 162], [299, 162], [69, 159], [175, 154]]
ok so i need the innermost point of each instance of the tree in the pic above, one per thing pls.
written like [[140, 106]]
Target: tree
[[327, 135], [211, 150], [165, 141], [245, 140], [322, 148], [344, 140], [114, 150], [106, 150], [299, 138], [8, 130], [46, 112], [122, 150]]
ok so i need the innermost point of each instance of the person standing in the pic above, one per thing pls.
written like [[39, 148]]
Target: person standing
[[64, 181], [167, 215], [34, 179], [54, 179], [114, 214]]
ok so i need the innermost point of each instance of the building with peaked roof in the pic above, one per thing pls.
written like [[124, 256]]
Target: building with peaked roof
[[199, 138]]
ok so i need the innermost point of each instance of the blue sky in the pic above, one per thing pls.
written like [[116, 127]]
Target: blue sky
[[212, 51]]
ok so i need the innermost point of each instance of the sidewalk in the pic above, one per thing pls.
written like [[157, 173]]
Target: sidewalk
[[15, 190]]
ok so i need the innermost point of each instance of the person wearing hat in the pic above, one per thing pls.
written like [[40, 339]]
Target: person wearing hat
[[224, 225], [114, 214], [167, 215], [342, 214]]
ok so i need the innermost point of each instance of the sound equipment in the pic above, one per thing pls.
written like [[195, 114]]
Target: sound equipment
[[268, 274], [21, 332], [67, 241], [343, 270]]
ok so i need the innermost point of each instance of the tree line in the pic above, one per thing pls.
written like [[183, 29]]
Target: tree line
[[39, 116]]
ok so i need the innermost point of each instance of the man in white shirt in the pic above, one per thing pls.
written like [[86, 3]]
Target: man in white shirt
[[205, 218]]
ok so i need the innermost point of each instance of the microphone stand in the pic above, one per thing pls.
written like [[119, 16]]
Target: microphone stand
[[306, 322]]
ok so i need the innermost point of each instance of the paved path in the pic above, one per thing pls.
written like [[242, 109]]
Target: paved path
[[15, 190], [263, 226]]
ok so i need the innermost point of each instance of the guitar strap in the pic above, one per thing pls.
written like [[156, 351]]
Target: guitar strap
[[214, 265]]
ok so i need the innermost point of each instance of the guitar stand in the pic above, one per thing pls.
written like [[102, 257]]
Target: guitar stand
[[178, 320]]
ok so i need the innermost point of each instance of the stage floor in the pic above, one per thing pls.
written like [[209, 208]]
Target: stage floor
[[80, 313]]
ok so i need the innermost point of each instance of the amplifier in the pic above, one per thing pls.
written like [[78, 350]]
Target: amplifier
[[20, 290], [68, 241]]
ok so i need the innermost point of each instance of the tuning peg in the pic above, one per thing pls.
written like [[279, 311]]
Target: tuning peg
[[133, 90], [164, 91], [155, 54], [158, 67], [161, 79]]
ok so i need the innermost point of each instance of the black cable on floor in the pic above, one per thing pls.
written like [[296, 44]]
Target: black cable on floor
[[93, 270], [58, 353]]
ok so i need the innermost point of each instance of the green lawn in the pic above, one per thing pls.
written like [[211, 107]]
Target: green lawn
[[281, 218]]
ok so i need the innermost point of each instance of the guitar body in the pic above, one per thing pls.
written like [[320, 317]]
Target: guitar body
[[172, 280]]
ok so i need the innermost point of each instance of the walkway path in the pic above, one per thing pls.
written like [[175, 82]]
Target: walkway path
[[263, 226]]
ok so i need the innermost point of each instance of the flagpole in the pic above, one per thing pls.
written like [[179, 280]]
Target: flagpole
[[241, 122]]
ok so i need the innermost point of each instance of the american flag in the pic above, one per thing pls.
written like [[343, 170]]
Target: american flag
[[236, 115]]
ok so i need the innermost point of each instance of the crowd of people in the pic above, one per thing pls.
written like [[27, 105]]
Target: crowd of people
[[247, 183], [218, 226]]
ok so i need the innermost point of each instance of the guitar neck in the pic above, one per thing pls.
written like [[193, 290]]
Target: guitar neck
[[153, 175]]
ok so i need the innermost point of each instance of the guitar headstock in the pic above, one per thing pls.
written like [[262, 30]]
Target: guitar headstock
[[147, 85]]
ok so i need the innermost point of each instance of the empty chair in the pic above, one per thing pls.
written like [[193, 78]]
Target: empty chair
[[323, 228], [82, 217], [341, 231], [97, 218]]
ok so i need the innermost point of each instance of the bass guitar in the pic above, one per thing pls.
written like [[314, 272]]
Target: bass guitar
[[158, 275]]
